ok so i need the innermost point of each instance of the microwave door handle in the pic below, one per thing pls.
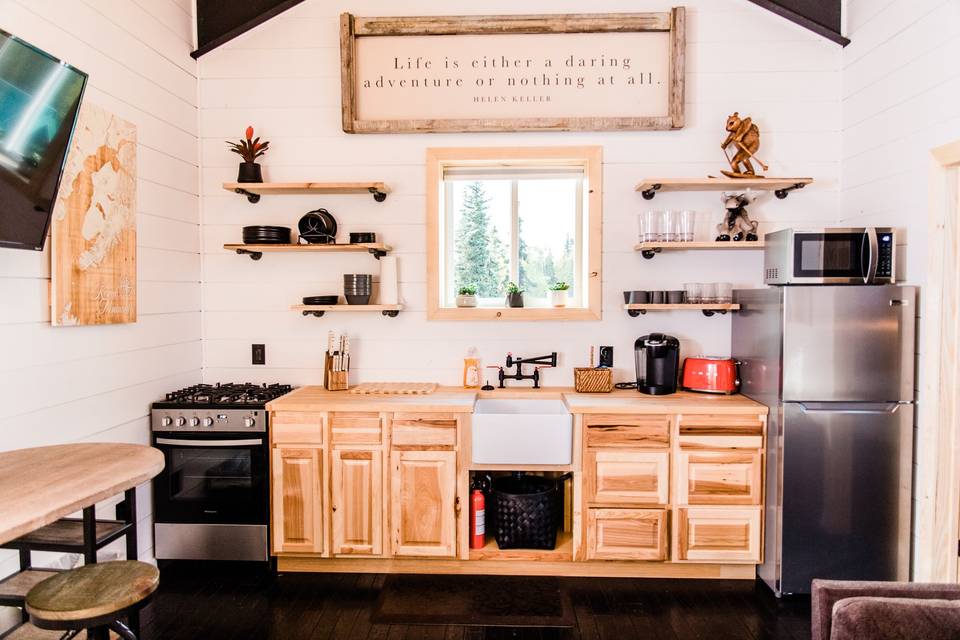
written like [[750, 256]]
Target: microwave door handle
[[210, 443], [873, 247]]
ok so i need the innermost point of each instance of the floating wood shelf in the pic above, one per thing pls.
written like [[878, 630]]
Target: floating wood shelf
[[634, 310], [563, 552], [650, 249], [256, 251], [253, 190], [780, 186], [317, 310]]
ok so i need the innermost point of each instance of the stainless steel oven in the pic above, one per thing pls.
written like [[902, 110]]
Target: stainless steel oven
[[865, 255], [211, 501]]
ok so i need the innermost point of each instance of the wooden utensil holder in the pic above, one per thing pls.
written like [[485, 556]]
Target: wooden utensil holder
[[589, 380], [334, 380]]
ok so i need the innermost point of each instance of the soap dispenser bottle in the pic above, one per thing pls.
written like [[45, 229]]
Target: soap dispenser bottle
[[471, 369]]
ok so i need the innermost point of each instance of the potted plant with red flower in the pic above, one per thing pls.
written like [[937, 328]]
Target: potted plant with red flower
[[249, 149]]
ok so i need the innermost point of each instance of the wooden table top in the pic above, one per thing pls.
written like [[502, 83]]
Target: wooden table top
[[41, 485]]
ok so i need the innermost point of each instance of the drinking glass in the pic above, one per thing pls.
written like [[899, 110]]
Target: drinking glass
[[708, 293], [671, 226], [641, 227], [692, 290], [724, 292], [652, 225], [687, 221]]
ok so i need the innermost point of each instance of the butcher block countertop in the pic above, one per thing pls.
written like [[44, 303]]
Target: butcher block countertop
[[41, 485], [459, 400]]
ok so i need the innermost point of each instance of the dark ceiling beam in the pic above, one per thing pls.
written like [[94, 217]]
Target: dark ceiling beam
[[220, 21], [820, 16]]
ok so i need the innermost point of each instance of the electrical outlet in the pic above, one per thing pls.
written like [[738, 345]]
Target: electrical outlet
[[259, 353]]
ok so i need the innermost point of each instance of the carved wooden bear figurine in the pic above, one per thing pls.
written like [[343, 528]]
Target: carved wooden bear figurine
[[745, 136]]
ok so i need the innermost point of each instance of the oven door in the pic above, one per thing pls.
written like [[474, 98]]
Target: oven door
[[835, 256], [209, 478]]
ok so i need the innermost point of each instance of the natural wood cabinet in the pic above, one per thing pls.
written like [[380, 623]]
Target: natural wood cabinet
[[356, 485], [297, 514], [356, 427], [719, 477], [627, 534], [294, 427], [637, 431], [627, 477], [423, 510], [719, 534]]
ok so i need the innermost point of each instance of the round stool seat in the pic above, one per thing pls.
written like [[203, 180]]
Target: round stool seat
[[91, 594]]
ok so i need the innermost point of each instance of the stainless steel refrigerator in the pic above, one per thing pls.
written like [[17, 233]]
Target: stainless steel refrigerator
[[835, 365]]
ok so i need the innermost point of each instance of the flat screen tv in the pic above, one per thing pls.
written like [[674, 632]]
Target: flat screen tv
[[39, 101]]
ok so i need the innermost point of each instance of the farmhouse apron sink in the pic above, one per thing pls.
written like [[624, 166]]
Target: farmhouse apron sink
[[522, 432]]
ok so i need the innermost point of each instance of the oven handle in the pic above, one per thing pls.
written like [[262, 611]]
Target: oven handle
[[210, 443]]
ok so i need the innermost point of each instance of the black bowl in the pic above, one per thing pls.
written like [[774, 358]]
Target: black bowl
[[363, 237], [358, 299]]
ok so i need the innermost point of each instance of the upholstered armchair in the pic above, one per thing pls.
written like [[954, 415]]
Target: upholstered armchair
[[885, 610]]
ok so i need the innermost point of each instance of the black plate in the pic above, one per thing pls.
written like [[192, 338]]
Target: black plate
[[321, 300], [266, 235]]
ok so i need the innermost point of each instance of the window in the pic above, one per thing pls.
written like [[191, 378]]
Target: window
[[529, 216]]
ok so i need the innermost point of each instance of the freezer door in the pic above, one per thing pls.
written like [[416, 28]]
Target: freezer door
[[847, 472], [848, 344]]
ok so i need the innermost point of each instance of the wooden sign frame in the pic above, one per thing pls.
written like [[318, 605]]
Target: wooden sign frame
[[354, 27]]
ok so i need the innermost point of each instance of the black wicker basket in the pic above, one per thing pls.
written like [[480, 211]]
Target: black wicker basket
[[528, 510]]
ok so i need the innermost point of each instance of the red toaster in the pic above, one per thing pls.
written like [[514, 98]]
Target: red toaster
[[710, 374]]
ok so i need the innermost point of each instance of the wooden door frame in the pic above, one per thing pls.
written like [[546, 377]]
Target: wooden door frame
[[938, 440]]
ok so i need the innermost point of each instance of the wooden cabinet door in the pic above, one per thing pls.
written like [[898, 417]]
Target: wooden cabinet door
[[356, 484], [719, 534], [719, 477], [627, 477], [627, 534], [297, 512], [423, 509]]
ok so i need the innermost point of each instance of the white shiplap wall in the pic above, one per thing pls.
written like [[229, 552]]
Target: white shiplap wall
[[901, 98], [284, 78], [96, 383]]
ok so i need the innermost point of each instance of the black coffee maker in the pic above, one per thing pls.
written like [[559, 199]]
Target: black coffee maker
[[658, 363]]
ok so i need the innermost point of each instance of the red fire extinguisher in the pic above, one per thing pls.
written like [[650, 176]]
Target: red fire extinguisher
[[478, 530]]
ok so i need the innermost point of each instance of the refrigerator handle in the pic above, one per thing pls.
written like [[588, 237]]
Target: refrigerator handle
[[850, 407], [873, 255]]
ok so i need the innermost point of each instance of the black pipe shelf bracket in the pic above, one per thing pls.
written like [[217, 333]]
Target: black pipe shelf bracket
[[254, 255], [648, 194], [252, 198], [378, 195], [649, 253], [783, 193], [634, 313], [709, 312], [377, 253], [391, 313], [315, 314]]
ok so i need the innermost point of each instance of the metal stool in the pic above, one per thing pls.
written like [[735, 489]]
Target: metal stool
[[93, 597]]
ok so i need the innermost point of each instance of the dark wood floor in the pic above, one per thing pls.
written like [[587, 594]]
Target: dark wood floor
[[222, 602]]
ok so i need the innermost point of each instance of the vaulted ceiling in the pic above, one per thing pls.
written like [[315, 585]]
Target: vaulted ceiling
[[219, 21]]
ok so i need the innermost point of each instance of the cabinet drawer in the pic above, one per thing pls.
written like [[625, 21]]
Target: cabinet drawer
[[627, 477], [355, 428], [721, 432], [437, 431], [627, 534], [296, 427], [719, 477], [719, 534], [603, 430]]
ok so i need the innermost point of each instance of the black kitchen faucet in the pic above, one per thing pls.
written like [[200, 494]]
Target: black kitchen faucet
[[539, 362]]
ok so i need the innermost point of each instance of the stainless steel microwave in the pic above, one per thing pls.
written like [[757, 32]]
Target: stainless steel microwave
[[830, 256]]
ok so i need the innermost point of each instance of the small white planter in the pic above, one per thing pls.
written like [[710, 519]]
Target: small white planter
[[466, 301], [558, 298]]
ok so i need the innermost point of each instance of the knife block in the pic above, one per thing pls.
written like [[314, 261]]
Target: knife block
[[334, 380]]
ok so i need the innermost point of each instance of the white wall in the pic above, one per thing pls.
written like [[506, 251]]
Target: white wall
[[96, 383], [901, 98], [284, 78]]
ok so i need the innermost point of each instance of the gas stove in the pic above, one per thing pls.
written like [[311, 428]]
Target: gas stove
[[216, 407]]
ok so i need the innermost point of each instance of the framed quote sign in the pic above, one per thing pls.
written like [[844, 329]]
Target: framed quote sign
[[574, 72]]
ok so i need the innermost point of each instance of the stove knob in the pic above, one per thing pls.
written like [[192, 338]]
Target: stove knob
[[208, 422], [194, 422], [166, 422], [181, 421], [249, 422]]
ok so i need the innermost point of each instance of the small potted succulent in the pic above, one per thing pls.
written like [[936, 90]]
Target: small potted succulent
[[558, 294], [514, 295], [467, 296], [249, 149]]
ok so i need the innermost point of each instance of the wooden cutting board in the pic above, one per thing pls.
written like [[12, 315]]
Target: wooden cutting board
[[395, 388]]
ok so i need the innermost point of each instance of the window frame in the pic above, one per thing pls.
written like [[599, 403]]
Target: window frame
[[590, 157]]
